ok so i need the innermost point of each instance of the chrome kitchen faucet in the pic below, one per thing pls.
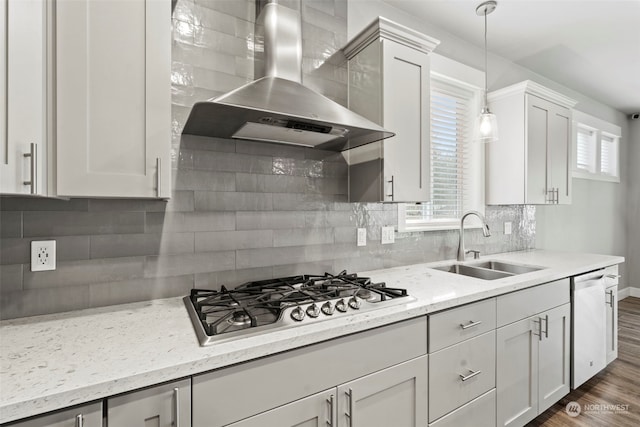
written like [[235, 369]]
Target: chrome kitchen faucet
[[485, 232]]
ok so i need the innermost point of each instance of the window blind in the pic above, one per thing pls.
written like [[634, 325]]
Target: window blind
[[608, 155], [586, 150], [450, 121]]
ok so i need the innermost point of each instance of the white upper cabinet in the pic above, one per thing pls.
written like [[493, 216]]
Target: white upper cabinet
[[23, 90], [531, 162], [113, 106], [389, 85]]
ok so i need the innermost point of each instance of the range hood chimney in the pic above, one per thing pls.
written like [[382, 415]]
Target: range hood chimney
[[277, 107]]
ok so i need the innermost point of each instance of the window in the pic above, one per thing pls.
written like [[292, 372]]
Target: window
[[596, 148], [456, 162]]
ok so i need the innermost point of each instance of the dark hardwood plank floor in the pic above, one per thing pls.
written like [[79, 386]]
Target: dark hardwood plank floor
[[617, 384]]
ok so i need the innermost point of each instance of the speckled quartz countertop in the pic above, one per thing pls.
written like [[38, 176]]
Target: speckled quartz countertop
[[51, 362]]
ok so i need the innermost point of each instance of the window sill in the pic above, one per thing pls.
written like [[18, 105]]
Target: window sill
[[596, 177]]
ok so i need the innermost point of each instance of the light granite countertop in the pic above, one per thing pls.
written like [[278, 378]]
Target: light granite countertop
[[55, 361]]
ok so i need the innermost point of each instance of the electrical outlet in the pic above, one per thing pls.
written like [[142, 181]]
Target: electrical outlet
[[362, 237], [43, 255], [388, 235], [507, 227]]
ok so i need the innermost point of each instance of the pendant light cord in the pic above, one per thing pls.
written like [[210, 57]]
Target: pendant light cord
[[486, 70]]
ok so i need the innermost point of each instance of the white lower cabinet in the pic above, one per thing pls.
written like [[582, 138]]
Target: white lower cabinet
[[396, 397], [89, 415], [532, 361], [167, 405]]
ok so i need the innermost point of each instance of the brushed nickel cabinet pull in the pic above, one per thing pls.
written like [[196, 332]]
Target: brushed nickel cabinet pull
[[176, 406], [471, 324], [392, 188], [158, 176], [613, 276], [330, 422], [470, 375], [546, 326], [79, 420], [33, 167], [350, 414]]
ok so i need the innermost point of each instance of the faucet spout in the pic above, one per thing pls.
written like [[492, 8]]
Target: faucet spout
[[485, 232]]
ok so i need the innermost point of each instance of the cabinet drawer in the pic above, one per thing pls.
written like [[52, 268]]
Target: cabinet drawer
[[91, 415], [611, 276], [528, 302], [480, 412], [458, 324], [448, 367]]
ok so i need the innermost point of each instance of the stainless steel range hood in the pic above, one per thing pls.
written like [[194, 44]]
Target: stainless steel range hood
[[277, 107]]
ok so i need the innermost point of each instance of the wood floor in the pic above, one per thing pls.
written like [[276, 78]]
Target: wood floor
[[617, 384]]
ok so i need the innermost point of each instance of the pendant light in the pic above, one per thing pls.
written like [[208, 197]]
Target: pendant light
[[486, 125]]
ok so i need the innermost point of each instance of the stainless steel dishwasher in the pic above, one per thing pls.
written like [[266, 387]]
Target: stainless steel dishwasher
[[588, 323]]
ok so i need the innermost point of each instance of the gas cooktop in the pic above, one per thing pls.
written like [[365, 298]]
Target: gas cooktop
[[267, 305]]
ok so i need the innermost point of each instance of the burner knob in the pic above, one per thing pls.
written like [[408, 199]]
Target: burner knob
[[297, 314], [354, 303], [327, 308], [341, 306], [313, 311]]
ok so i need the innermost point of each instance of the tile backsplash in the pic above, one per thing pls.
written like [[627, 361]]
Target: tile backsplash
[[239, 210]]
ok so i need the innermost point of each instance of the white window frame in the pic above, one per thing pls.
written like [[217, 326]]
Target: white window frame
[[601, 129], [465, 77]]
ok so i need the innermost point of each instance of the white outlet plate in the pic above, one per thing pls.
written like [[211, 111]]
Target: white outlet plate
[[43, 255], [507, 227], [362, 237], [388, 235]]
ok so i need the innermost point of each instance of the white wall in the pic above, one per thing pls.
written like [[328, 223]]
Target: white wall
[[633, 207], [596, 220]]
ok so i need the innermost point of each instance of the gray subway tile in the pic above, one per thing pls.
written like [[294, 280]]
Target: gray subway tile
[[302, 236], [243, 9], [173, 265], [42, 204], [356, 265], [303, 201], [194, 142], [101, 294], [180, 201], [313, 268], [232, 162], [81, 223], [268, 149], [125, 245], [269, 220], [33, 302], [14, 251], [73, 273], [179, 222], [331, 219], [187, 179], [10, 278], [232, 240], [251, 258], [233, 201], [347, 235], [10, 224]]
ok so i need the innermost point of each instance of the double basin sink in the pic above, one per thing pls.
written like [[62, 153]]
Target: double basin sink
[[488, 270]]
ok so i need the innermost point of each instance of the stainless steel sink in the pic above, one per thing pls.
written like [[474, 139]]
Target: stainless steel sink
[[507, 267], [488, 270]]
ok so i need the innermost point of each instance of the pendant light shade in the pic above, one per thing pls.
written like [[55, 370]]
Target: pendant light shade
[[486, 127]]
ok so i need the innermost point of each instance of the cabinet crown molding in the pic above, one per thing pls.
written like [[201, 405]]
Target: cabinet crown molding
[[533, 88], [383, 28]]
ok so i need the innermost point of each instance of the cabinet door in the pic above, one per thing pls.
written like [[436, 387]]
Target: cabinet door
[[554, 371], [406, 105], [537, 128], [559, 153], [612, 323], [23, 89], [113, 98], [86, 415], [395, 396], [167, 405], [317, 410], [517, 372]]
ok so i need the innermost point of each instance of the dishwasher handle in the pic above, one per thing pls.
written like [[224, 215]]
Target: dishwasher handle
[[595, 278]]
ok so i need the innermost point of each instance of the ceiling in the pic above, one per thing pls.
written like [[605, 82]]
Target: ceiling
[[590, 46]]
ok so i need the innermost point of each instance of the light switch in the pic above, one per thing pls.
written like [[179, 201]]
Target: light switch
[[362, 237], [507, 227]]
